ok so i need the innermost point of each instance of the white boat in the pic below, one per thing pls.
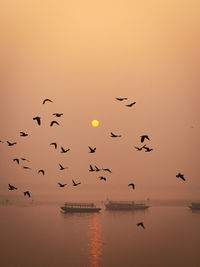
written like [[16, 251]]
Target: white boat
[[79, 207], [125, 205]]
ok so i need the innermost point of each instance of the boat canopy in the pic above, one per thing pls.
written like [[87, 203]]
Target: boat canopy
[[76, 204], [121, 202]]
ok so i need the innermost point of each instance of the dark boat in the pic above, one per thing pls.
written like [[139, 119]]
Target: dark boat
[[79, 207], [195, 206], [125, 205]]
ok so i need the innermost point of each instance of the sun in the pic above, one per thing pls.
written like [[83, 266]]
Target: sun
[[95, 123]]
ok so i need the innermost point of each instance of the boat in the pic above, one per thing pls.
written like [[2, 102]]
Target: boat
[[195, 206], [125, 205], [79, 207]]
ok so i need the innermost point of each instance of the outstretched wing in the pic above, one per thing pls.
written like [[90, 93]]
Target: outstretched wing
[[54, 122], [47, 100]]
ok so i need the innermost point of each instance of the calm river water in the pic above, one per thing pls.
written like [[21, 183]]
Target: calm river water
[[41, 236]]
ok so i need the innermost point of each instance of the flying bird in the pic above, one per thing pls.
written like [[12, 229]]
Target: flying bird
[[130, 105], [121, 98], [27, 193], [47, 100], [25, 159], [23, 134], [133, 186], [38, 119], [11, 144], [58, 114], [62, 168], [75, 184], [139, 148], [54, 122], [106, 170], [11, 187], [143, 137], [62, 185], [17, 160], [63, 150], [181, 176], [148, 149], [92, 150], [54, 144], [91, 169], [141, 224], [96, 168], [102, 178], [26, 168], [41, 171], [114, 135]]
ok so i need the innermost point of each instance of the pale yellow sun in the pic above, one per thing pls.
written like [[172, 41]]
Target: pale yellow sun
[[95, 123]]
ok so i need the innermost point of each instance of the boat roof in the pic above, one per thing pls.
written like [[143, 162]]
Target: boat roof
[[121, 202], [79, 204]]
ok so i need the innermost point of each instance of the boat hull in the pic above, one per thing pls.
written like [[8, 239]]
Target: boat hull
[[74, 209], [194, 208]]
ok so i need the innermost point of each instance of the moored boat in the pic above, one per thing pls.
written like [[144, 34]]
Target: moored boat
[[195, 206], [79, 207], [125, 205]]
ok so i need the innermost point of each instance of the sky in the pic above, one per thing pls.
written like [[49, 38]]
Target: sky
[[83, 54]]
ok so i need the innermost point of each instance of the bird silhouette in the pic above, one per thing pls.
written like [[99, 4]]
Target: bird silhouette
[[25, 159], [75, 184], [54, 122], [41, 171], [114, 135], [96, 168], [17, 160], [63, 150], [121, 98], [181, 176], [139, 148], [91, 169], [11, 144], [54, 144], [62, 185], [141, 224], [92, 150], [27, 193], [62, 168], [147, 148], [38, 119], [102, 178], [58, 114], [11, 187], [143, 137], [26, 168], [23, 134], [132, 185], [47, 100], [106, 170], [130, 105]]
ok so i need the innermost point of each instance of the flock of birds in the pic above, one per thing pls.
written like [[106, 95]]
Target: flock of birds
[[143, 138]]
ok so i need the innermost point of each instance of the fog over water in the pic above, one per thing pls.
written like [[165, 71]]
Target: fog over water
[[82, 55]]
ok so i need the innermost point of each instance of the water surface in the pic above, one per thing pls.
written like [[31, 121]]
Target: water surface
[[41, 236]]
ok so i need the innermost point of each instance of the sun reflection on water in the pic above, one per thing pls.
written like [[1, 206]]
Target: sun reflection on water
[[96, 243]]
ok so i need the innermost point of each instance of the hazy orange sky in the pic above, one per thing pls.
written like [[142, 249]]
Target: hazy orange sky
[[83, 54]]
